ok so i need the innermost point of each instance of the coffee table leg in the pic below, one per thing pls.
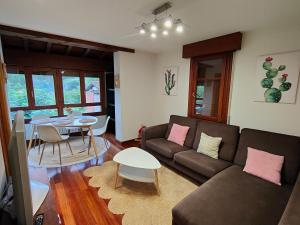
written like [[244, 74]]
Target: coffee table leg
[[156, 182], [117, 175]]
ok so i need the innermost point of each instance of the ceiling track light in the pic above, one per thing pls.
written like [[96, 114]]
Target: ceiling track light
[[161, 25]]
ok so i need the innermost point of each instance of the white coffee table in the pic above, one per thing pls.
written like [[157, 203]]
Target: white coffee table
[[137, 165]]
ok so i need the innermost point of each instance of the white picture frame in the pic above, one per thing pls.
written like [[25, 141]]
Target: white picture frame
[[170, 80]]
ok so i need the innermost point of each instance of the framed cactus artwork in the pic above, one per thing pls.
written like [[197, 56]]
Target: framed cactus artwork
[[170, 80], [278, 76]]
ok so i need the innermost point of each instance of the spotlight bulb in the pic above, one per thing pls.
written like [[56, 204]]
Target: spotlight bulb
[[179, 28], [168, 23], [142, 31], [165, 33], [153, 27], [153, 35]]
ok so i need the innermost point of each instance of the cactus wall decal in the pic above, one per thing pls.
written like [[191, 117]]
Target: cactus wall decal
[[170, 81], [274, 94]]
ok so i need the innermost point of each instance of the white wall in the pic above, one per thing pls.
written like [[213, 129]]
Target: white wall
[[283, 118], [134, 100], [168, 105]]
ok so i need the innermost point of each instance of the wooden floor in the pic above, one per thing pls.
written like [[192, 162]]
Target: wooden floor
[[73, 199]]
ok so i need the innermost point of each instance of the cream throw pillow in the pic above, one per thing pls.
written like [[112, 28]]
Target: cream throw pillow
[[209, 145]]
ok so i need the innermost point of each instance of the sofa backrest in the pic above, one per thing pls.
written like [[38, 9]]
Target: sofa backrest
[[278, 144], [184, 121], [228, 133]]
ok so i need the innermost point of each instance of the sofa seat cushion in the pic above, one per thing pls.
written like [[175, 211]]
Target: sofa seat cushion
[[164, 147], [233, 197], [201, 163]]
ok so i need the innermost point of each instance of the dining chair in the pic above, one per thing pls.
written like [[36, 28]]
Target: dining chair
[[35, 133], [100, 132], [76, 113], [50, 134]]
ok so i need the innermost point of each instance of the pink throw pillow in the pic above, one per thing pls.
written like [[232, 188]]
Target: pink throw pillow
[[178, 134], [264, 165]]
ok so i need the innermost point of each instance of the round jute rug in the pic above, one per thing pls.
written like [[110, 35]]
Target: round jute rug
[[139, 202], [80, 153]]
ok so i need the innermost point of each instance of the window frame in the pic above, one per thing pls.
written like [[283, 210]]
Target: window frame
[[225, 80], [58, 87], [17, 70]]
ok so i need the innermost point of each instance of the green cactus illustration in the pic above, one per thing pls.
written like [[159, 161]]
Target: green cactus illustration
[[273, 94], [169, 81]]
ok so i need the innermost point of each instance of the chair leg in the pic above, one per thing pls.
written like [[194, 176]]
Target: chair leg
[[59, 153], [82, 134], [42, 153], [34, 143], [69, 132], [105, 141], [90, 143], [69, 146], [39, 145], [53, 146]]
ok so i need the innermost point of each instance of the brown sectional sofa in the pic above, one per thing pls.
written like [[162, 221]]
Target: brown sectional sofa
[[229, 196]]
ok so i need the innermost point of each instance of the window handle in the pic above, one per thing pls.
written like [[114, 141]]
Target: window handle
[[193, 94]]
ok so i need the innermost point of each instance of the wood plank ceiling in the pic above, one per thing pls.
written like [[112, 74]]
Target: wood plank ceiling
[[34, 41], [30, 45]]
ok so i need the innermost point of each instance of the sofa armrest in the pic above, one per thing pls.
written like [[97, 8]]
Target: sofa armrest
[[158, 131], [291, 214]]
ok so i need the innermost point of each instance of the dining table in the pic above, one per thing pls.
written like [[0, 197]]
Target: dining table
[[83, 122]]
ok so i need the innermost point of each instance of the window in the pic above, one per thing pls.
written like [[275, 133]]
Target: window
[[16, 89], [71, 89], [92, 89], [209, 87], [43, 87], [38, 91]]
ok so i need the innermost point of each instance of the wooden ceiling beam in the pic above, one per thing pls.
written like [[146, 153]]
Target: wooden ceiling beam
[[26, 45], [48, 48], [58, 39], [86, 52], [68, 50]]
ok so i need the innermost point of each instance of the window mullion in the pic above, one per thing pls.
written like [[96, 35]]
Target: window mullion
[[59, 93], [29, 86], [82, 88], [102, 91]]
